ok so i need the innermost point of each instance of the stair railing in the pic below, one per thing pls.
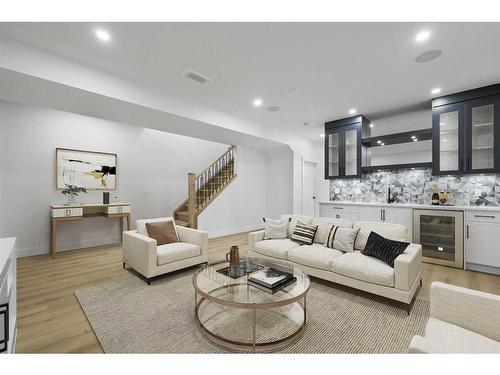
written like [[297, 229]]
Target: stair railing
[[203, 185]]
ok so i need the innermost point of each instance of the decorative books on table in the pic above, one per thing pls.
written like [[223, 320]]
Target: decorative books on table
[[271, 279]]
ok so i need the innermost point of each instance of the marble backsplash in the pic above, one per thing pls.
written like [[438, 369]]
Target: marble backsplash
[[415, 186]]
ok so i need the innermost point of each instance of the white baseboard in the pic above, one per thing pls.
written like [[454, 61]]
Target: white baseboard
[[227, 232], [41, 250]]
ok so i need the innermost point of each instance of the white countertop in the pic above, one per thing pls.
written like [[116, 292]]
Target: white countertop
[[414, 205]]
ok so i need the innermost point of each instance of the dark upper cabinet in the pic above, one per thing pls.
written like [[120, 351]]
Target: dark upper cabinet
[[344, 151], [466, 132]]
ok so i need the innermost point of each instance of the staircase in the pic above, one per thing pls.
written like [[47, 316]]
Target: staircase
[[204, 187]]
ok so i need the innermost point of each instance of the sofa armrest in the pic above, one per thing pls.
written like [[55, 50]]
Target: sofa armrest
[[407, 267], [195, 237], [139, 252], [254, 237], [418, 345], [470, 309]]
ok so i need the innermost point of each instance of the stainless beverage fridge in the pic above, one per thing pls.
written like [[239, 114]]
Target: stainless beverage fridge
[[440, 232]]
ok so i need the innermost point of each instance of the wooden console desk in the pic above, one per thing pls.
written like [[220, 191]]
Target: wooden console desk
[[62, 213]]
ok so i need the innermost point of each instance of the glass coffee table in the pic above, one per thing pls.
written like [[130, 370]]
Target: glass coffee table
[[232, 313]]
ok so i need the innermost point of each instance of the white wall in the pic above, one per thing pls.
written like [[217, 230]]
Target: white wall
[[152, 176], [279, 192]]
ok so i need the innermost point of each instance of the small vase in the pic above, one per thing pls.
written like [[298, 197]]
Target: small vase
[[71, 199]]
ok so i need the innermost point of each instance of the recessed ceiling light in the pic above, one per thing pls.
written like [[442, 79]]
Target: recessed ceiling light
[[436, 90], [415, 139], [371, 125], [423, 35], [382, 144], [322, 135], [441, 123], [102, 35], [352, 111], [257, 102], [428, 56], [379, 141], [444, 140]]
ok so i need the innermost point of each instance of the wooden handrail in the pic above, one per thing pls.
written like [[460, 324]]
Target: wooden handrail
[[215, 162]]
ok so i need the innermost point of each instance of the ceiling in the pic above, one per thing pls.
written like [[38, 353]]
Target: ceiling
[[313, 71]]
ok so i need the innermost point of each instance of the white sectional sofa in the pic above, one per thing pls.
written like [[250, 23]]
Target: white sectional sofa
[[462, 321], [351, 269]]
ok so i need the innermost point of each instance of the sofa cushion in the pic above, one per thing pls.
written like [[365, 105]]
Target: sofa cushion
[[274, 248], [443, 337], [275, 229], [315, 255], [341, 238], [293, 221], [304, 233], [324, 225], [364, 268], [394, 232], [383, 248], [174, 252]]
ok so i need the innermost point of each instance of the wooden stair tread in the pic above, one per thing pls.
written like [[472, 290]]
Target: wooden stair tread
[[182, 223]]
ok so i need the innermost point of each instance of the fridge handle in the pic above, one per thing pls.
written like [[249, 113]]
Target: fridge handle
[[467, 227]]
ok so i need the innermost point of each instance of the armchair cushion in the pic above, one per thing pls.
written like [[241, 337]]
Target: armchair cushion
[[174, 252], [163, 232]]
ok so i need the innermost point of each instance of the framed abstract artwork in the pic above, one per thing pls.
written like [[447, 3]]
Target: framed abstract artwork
[[88, 169]]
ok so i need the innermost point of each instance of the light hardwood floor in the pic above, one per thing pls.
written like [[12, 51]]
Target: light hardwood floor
[[50, 318]]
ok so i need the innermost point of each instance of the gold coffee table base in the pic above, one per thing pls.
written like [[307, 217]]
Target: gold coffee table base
[[254, 345]]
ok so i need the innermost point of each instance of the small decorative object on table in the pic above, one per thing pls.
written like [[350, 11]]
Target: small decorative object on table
[[234, 260], [272, 279], [246, 266], [72, 192]]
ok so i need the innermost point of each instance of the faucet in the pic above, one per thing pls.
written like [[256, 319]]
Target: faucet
[[390, 198]]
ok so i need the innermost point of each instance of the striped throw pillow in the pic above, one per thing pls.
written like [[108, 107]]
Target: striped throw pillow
[[304, 233], [341, 238], [330, 238]]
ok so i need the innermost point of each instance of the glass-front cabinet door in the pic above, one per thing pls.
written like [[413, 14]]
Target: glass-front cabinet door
[[333, 153], [352, 144], [482, 118], [448, 139]]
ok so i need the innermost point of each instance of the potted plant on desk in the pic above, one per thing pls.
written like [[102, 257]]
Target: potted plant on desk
[[72, 192]]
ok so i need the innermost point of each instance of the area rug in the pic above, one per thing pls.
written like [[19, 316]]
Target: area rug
[[128, 316]]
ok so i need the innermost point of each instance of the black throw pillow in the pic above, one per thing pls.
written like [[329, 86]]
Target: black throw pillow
[[384, 249]]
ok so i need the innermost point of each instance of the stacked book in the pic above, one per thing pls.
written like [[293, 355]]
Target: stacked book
[[271, 279]]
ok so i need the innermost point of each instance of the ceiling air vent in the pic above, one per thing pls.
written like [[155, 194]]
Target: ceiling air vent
[[196, 77]]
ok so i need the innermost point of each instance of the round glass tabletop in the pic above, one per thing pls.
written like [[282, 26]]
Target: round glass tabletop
[[217, 284]]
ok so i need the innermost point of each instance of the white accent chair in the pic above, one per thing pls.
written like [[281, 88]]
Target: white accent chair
[[141, 252], [461, 321]]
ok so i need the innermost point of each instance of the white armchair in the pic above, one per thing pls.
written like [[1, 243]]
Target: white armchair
[[461, 321], [143, 255]]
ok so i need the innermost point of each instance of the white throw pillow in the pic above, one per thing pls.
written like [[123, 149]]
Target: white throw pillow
[[324, 224], [341, 238], [293, 221], [275, 229]]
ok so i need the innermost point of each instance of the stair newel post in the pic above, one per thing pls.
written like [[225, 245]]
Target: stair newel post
[[193, 219]]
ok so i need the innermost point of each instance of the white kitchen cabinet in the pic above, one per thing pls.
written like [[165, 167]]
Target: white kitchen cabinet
[[482, 251], [384, 214], [338, 211]]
